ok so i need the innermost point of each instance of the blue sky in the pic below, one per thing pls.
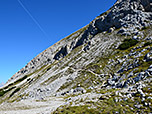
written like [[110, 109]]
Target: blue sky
[[21, 39]]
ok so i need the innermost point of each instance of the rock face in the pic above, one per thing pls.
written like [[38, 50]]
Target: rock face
[[130, 15], [89, 67]]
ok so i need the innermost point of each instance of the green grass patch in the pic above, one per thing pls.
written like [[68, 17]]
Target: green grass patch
[[51, 79], [127, 43], [77, 110], [95, 68]]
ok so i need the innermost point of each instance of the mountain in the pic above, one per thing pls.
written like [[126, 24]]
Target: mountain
[[105, 67]]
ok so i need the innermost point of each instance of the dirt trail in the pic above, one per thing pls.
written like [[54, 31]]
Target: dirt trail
[[31, 106]]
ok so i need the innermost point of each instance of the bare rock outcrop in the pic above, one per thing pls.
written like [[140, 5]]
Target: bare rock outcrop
[[131, 15]]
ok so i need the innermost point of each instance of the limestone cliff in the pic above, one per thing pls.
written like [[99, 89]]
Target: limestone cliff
[[105, 67]]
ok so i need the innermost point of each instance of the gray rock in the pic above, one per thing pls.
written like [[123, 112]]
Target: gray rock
[[136, 37], [130, 74], [120, 61], [149, 71], [125, 99], [79, 89], [129, 95], [143, 50], [111, 82], [149, 38], [61, 53], [92, 29], [149, 97], [138, 106], [140, 76], [141, 92], [148, 57], [139, 55], [111, 30], [121, 84], [150, 66], [145, 103], [147, 74], [134, 16]]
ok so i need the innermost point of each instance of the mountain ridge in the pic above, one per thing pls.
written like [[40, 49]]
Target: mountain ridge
[[106, 62], [93, 28]]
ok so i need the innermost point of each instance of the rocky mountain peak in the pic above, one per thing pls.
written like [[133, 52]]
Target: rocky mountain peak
[[127, 15], [144, 5], [105, 67]]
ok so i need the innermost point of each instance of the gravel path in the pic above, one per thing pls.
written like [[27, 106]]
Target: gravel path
[[31, 106]]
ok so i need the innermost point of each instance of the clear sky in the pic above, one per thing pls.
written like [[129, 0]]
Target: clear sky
[[20, 37]]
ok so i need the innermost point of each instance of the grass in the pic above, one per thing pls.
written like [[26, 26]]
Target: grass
[[65, 85], [51, 79], [143, 66], [107, 106], [95, 68], [110, 106], [77, 110], [23, 78]]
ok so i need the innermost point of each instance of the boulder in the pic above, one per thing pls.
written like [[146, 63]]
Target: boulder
[[111, 29], [111, 82], [79, 89], [148, 57], [141, 92]]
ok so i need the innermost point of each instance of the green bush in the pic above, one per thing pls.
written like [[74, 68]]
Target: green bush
[[127, 43], [21, 79], [147, 44], [15, 91], [2, 93], [8, 86]]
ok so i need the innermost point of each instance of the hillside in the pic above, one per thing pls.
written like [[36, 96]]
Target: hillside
[[105, 67]]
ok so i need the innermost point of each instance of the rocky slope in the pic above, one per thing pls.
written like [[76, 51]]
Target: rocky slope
[[105, 67]]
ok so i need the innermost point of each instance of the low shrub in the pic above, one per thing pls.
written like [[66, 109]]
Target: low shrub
[[147, 44], [2, 92], [21, 79], [15, 91], [127, 43]]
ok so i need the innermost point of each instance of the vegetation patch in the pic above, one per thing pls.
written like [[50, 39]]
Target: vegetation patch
[[107, 105], [2, 92], [147, 44], [15, 91], [21, 79], [127, 43], [8, 86], [77, 110], [51, 79], [95, 68]]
